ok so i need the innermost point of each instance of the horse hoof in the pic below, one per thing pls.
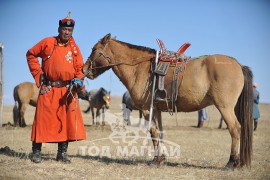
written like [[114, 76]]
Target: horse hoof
[[234, 162], [229, 166], [162, 159], [154, 162], [158, 160]]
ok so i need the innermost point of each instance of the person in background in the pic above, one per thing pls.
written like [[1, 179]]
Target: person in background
[[256, 112], [202, 116], [58, 117]]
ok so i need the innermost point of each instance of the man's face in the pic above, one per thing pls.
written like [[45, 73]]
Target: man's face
[[65, 33]]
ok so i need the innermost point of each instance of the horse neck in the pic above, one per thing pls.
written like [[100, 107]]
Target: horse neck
[[134, 77]]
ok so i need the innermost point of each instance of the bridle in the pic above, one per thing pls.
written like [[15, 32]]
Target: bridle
[[108, 59]]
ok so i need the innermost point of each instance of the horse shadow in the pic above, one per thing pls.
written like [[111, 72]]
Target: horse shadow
[[143, 161], [106, 160]]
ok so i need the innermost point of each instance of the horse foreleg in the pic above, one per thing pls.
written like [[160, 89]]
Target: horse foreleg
[[234, 128], [125, 113], [162, 158], [155, 135]]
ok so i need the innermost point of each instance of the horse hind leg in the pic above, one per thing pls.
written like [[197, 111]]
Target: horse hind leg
[[234, 128], [16, 114], [21, 119]]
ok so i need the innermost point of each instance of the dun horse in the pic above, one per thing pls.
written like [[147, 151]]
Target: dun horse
[[24, 94], [213, 79], [99, 99], [127, 106]]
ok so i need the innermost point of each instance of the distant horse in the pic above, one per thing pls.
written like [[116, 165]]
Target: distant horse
[[127, 106], [24, 93], [207, 80], [99, 99]]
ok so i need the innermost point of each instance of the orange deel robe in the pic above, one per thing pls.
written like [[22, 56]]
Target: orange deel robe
[[58, 116]]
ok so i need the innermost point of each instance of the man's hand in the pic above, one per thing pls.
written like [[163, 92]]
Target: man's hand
[[76, 83]]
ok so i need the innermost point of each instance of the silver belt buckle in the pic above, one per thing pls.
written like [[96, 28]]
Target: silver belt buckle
[[58, 83]]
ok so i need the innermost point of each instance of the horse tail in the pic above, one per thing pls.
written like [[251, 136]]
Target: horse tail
[[16, 107], [88, 109], [244, 113]]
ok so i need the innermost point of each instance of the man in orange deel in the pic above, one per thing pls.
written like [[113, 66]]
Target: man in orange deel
[[58, 117]]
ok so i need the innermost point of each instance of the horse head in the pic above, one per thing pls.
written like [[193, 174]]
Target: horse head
[[98, 62], [106, 97]]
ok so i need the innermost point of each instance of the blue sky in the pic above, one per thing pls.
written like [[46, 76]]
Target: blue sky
[[238, 28]]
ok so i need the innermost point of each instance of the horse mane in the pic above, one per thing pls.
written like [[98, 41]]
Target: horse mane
[[132, 46], [194, 58], [102, 90], [99, 91]]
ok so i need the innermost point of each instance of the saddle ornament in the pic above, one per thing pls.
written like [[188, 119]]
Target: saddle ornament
[[170, 68], [170, 56]]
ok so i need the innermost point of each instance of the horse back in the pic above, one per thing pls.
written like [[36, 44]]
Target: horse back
[[210, 80], [26, 92]]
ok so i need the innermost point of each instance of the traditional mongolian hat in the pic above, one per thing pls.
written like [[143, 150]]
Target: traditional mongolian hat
[[67, 22]]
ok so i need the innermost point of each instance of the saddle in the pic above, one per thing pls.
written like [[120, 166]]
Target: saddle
[[170, 68]]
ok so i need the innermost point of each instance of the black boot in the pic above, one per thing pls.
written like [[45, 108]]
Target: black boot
[[36, 148], [62, 152]]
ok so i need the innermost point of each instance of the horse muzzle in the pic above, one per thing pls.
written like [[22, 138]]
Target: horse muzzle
[[88, 74], [107, 100]]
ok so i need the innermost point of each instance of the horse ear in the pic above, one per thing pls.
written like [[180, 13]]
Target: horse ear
[[105, 39]]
